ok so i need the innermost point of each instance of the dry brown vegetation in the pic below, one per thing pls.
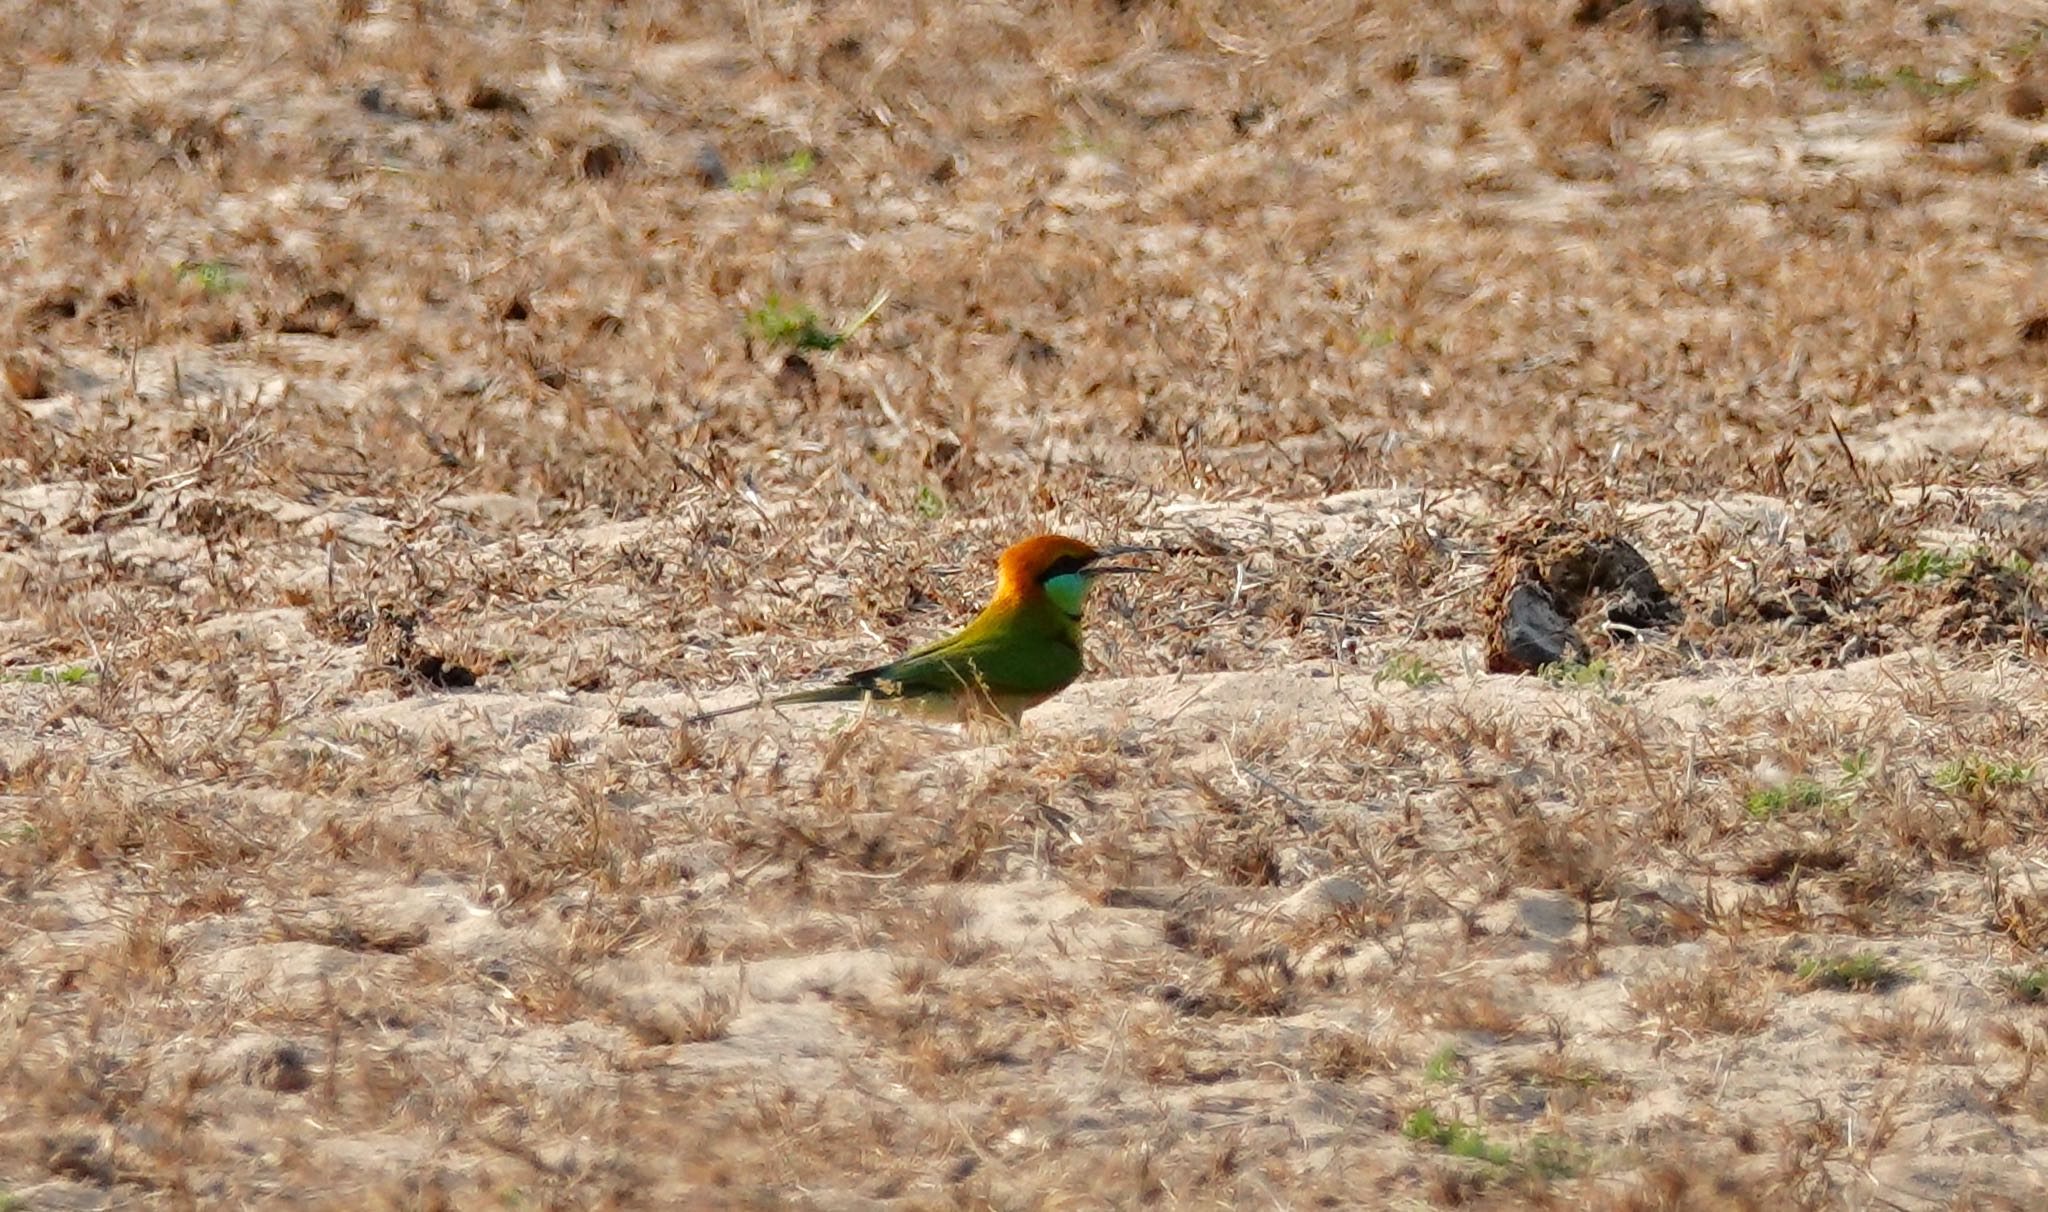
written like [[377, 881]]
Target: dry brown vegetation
[[411, 410]]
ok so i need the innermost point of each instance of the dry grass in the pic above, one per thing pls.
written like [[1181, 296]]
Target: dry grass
[[409, 410]]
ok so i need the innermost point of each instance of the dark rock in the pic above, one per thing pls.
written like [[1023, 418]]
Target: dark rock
[[710, 167], [1548, 576], [1534, 633], [1613, 567]]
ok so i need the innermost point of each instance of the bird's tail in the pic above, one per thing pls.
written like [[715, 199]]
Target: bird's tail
[[842, 693], [823, 694], [735, 709]]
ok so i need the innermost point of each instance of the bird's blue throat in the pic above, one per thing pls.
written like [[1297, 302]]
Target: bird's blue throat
[[1069, 592]]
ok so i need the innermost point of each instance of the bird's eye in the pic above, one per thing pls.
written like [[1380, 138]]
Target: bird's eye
[[1066, 565]]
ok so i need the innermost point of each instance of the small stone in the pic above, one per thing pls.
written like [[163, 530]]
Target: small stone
[[710, 168], [1326, 897], [1534, 633]]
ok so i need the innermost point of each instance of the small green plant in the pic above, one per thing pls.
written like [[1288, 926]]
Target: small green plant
[[1442, 1065], [1408, 669], [213, 277], [794, 167], [2024, 47], [1976, 775], [929, 503], [779, 321], [1379, 338], [1857, 80], [1944, 84], [69, 675], [2030, 987], [1596, 672], [1769, 803], [1926, 564], [1455, 1138], [1863, 972], [1077, 143]]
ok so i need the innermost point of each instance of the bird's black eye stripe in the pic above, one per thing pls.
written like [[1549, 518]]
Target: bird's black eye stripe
[[1065, 566]]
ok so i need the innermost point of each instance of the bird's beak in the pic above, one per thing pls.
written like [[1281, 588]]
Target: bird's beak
[[1110, 553]]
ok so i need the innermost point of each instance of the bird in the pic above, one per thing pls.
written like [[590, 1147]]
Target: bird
[[1022, 649]]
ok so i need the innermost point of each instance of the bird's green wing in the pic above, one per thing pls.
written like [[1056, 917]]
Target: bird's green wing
[[1028, 653], [991, 664], [985, 662]]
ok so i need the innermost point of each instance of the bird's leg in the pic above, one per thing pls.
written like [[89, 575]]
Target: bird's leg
[[990, 728]]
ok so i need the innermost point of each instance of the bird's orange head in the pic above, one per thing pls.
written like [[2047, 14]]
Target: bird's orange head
[[1055, 566]]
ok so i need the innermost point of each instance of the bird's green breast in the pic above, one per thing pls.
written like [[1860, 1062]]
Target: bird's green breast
[[1025, 648]]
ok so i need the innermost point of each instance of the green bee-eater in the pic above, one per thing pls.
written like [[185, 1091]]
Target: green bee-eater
[[1023, 648]]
